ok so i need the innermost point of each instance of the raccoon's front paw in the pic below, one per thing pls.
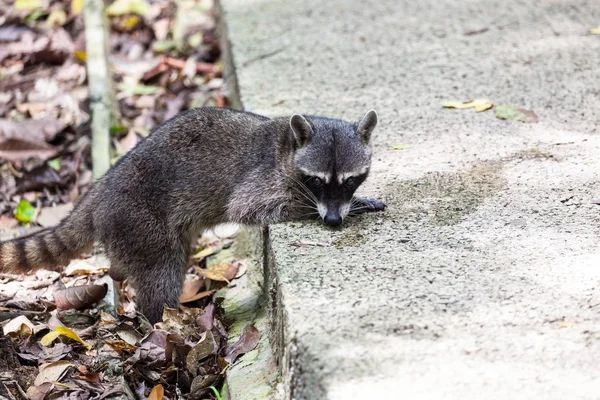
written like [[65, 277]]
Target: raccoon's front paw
[[367, 205]]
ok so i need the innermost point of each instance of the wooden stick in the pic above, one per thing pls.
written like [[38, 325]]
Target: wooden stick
[[100, 83]]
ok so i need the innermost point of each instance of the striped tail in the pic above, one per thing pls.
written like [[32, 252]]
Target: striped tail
[[54, 247]]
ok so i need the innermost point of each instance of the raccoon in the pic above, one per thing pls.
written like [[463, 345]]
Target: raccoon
[[201, 168]]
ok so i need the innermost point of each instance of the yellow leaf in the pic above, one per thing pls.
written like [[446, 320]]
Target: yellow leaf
[[56, 18], [478, 104], [157, 392], [49, 338], [594, 31], [80, 55], [132, 21], [202, 254], [122, 7], [76, 7], [27, 4], [219, 272], [62, 331]]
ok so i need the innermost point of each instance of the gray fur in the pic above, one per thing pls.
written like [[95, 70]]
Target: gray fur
[[201, 168]]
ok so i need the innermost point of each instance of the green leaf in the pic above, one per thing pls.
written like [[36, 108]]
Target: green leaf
[[160, 46], [25, 211], [216, 392], [27, 4], [35, 15], [138, 89], [515, 113], [195, 40], [54, 164]]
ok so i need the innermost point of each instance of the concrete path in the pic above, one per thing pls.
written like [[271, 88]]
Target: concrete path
[[482, 279]]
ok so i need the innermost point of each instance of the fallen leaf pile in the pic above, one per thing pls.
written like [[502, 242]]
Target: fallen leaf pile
[[163, 61], [63, 345], [43, 111]]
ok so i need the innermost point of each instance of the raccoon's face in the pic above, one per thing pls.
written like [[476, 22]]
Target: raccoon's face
[[333, 158]]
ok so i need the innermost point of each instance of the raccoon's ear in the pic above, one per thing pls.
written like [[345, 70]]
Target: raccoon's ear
[[367, 125], [302, 130]]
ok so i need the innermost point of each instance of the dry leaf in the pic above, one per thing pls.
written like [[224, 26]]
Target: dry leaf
[[32, 130], [515, 113], [197, 296], [202, 254], [190, 288], [219, 272], [56, 18], [85, 267], [7, 222], [62, 331], [51, 216], [52, 372], [121, 346], [20, 326], [204, 348], [129, 141], [78, 297], [21, 150], [478, 104], [39, 392], [247, 342], [27, 4], [157, 392], [76, 7]]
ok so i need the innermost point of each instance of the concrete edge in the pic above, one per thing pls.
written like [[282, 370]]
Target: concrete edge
[[257, 375]]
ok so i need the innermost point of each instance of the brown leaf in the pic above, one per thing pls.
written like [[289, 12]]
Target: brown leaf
[[204, 321], [20, 326], [93, 377], [40, 178], [77, 297], [129, 141], [7, 222], [202, 382], [157, 393], [198, 296], [32, 130], [51, 216], [120, 346], [21, 150], [247, 342], [52, 372], [39, 392], [32, 109], [190, 288], [89, 266], [204, 348], [219, 272]]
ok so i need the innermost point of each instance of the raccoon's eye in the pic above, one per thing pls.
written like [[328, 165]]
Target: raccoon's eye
[[350, 181], [316, 182]]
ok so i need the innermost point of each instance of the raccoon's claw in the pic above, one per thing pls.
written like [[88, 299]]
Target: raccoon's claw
[[368, 205]]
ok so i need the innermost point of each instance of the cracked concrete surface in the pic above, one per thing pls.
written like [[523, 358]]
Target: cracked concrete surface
[[481, 278]]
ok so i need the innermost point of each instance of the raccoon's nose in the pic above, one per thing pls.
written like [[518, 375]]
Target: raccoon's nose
[[333, 219]]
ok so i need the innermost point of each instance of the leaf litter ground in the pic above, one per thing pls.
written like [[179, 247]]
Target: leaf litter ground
[[59, 339]]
